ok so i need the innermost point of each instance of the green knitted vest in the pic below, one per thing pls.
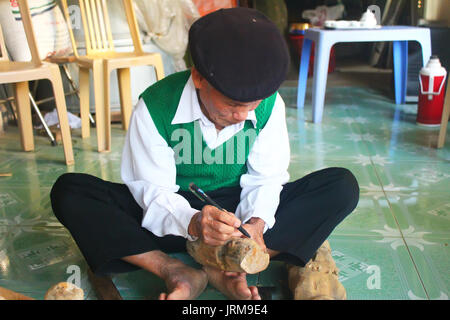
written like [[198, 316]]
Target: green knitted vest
[[209, 169]]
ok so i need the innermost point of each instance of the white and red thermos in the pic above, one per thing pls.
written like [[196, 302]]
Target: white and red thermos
[[431, 96]]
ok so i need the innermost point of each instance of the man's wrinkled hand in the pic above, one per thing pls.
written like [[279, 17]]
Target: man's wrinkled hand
[[255, 227], [214, 226]]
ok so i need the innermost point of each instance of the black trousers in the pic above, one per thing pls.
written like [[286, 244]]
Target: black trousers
[[105, 220]]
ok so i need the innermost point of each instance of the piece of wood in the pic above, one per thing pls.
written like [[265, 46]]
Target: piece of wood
[[83, 77], [7, 294], [24, 113], [124, 80], [104, 287], [6, 174], [236, 255], [444, 119], [60, 291], [318, 280], [64, 291], [60, 102], [1, 123]]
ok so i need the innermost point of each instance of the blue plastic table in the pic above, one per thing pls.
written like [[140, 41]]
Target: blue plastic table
[[324, 39]]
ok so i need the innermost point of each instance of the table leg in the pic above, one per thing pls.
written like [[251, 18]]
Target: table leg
[[321, 60], [303, 73], [425, 43], [400, 51]]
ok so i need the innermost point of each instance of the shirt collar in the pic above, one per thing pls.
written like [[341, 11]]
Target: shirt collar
[[189, 110]]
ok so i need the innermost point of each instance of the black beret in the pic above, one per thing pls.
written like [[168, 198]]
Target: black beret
[[240, 52]]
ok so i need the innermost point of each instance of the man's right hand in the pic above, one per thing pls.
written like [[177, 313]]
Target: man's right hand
[[214, 226]]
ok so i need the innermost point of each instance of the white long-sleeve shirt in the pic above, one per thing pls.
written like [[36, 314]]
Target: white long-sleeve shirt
[[148, 166]]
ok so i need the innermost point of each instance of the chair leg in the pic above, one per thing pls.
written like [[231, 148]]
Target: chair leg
[[400, 52], [100, 114], [24, 115], [303, 73], [444, 120], [159, 67], [107, 104], [60, 101], [425, 44], [322, 58], [123, 77], [84, 102]]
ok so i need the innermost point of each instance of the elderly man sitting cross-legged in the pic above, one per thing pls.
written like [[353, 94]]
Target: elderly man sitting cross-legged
[[222, 126]]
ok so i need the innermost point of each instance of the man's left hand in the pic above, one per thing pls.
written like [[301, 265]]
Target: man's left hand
[[255, 227]]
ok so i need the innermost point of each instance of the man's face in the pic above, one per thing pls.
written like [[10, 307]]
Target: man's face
[[221, 110]]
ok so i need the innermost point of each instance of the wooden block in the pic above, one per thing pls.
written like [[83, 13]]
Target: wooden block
[[2, 130], [6, 294], [237, 255], [318, 280], [6, 174]]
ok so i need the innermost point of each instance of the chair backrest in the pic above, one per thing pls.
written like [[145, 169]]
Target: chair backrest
[[97, 27], [29, 32]]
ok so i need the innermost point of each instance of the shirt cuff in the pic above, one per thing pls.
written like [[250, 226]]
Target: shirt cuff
[[262, 202], [169, 214], [185, 215]]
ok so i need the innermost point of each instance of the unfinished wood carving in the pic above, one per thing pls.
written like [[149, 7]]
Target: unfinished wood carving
[[60, 291], [64, 291], [318, 280], [236, 255]]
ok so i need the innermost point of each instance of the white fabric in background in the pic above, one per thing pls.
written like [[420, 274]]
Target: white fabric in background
[[51, 118], [50, 29], [167, 23]]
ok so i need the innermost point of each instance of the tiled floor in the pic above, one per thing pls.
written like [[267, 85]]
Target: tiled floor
[[393, 246]]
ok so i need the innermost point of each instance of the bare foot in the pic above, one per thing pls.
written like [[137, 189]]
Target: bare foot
[[183, 282], [232, 285]]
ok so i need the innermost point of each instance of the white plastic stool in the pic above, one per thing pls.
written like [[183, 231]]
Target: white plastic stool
[[324, 39]]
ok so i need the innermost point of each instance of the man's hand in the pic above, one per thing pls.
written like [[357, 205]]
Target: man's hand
[[255, 227], [214, 226]]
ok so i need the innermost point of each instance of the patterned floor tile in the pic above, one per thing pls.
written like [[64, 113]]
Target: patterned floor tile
[[433, 263], [371, 214], [373, 269], [406, 176], [361, 167], [32, 259], [422, 215], [20, 206], [405, 143], [399, 230]]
